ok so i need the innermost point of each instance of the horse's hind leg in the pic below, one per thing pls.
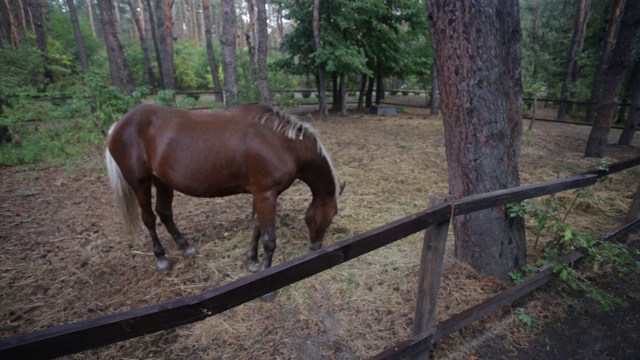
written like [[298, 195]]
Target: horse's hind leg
[[143, 196], [264, 207], [163, 208]]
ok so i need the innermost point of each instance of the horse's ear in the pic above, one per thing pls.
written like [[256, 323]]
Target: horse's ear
[[342, 186]]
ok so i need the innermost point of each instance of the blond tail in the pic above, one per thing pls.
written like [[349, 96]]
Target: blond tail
[[125, 197]]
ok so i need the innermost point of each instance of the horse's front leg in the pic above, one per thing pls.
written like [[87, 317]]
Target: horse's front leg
[[252, 250], [264, 206]]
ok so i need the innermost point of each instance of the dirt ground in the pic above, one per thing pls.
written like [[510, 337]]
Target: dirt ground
[[65, 257]]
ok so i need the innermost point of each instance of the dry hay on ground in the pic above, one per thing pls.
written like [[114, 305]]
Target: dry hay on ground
[[65, 256]]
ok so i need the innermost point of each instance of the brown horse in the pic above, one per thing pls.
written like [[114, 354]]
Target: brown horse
[[251, 148]]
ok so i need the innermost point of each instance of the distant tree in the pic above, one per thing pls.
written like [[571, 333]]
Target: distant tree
[[144, 43], [320, 63], [228, 42], [613, 79], [477, 47], [217, 88], [120, 74], [612, 31], [263, 42], [82, 53], [571, 67], [164, 42], [35, 7], [13, 25]]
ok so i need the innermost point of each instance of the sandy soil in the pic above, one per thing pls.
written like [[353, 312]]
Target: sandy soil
[[65, 257]]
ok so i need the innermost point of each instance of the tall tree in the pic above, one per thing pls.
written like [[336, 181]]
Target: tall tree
[[144, 43], [477, 48], [164, 42], [613, 79], [321, 77], [228, 42], [580, 24], [633, 118], [82, 53], [13, 25], [35, 7], [90, 12], [206, 10], [120, 75], [612, 31], [263, 42]]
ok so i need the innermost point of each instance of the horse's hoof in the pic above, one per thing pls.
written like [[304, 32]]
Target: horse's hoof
[[253, 266], [163, 265], [314, 247], [190, 252], [270, 297]]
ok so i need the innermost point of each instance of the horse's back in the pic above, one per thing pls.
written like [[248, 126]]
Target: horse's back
[[201, 153]]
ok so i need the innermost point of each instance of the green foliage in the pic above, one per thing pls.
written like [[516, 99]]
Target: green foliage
[[550, 218], [526, 319]]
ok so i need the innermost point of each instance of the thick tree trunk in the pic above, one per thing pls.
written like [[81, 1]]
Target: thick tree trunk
[[252, 39], [612, 31], [217, 88], [574, 50], [322, 80], [614, 77], [263, 42], [120, 74], [478, 53], [363, 90], [143, 44], [369, 97], [228, 41], [633, 118]]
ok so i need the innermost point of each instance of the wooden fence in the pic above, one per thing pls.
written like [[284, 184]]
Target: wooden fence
[[87, 334]]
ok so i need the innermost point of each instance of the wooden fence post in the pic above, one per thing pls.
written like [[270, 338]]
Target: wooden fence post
[[431, 262]]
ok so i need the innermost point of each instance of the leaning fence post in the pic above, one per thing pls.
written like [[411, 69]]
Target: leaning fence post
[[431, 262]]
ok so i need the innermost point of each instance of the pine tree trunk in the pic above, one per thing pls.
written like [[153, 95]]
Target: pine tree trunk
[[41, 37], [120, 74], [164, 43], [217, 88], [90, 12], [322, 80], [144, 44], [612, 31], [574, 50], [633, 118], [614, 77], [13, 26], [435, 91], [263, 42], [478, 52], [252, 40], [78, 36], [228, 41]]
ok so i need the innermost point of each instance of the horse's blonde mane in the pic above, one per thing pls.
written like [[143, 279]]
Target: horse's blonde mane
[[294, 128]]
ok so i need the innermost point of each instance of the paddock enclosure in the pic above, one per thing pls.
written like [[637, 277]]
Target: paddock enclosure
[[65, 256]]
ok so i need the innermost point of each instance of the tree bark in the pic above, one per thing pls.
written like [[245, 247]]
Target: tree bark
[[217, 88], [164, 28], [228, 42], [120, 75], [252, 39], [90, 12], [78, 36], [614, 77], [633, 118], [144, 44], [263, 42], [478, 52], [322, 80], [435, 93], [612, 31], [574, 50]]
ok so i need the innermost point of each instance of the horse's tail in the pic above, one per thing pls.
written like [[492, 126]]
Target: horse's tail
[[125, 197]]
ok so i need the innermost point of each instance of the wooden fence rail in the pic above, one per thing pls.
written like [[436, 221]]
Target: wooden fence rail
[[87, 334]]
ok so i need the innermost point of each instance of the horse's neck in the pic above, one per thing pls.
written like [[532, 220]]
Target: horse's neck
[[318, 175]]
